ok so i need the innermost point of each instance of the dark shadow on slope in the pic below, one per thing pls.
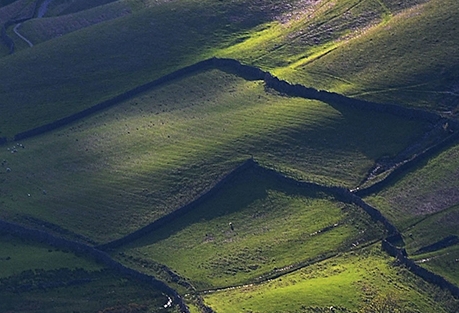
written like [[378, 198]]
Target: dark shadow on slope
[[441, 244], [242, 187]]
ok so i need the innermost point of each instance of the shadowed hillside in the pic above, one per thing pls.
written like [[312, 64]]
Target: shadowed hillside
[[229, 156]]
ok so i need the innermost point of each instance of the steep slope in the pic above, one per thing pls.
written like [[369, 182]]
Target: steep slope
[[411, 60], [64, 75], [385, 51]]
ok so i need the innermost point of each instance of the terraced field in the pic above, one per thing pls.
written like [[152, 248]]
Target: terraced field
[[217, 188]]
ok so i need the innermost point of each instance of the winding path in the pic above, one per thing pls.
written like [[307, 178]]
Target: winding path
[[15, 29], [41, 12]]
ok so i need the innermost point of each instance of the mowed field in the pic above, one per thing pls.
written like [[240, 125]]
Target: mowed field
[[129, 165]]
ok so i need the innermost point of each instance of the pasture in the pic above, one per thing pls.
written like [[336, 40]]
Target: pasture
[[146, 157], [347, 282], [256, 226]]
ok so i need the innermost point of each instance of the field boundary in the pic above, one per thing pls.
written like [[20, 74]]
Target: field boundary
[[342, 194], [247, 72], [402, 257], [178, 212], [97, 255]]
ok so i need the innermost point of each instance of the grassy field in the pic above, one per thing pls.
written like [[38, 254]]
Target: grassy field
[[107, 175], [67, 74], [129, 165], [43, 29], [430, 187], [254, 226], [17, 256], [444, 262], [104, 293], [432, 229], [308, 31], [36, 278], [346, 282], [410, 60], [384, 51]]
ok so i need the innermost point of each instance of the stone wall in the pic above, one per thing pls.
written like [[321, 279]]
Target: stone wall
[[97, 255]]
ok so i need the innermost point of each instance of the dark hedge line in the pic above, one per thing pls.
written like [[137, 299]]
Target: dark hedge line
[[297, 90], [3, 140], [178, 212], [341, 194], [97, 255], [394, 235], [206, 64], [229, 65]]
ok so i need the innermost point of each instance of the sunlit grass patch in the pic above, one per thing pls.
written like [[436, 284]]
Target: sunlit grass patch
[[254, 226], [409, 60], [346, 282]]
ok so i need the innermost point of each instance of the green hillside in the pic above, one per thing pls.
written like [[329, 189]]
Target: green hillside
[[131, 164], [256, 224], [240, 194], [348, 283], [39, 278], [67, 74]]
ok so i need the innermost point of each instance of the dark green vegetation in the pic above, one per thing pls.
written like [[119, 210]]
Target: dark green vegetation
[[40, 278], [113, 172]]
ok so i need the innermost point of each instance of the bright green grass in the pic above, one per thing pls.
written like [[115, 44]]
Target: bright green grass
[[67, 74], [346, 281], [274, 225], [126, 166], [430, 187], [18, 255], [305, 33], [411, 60]]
